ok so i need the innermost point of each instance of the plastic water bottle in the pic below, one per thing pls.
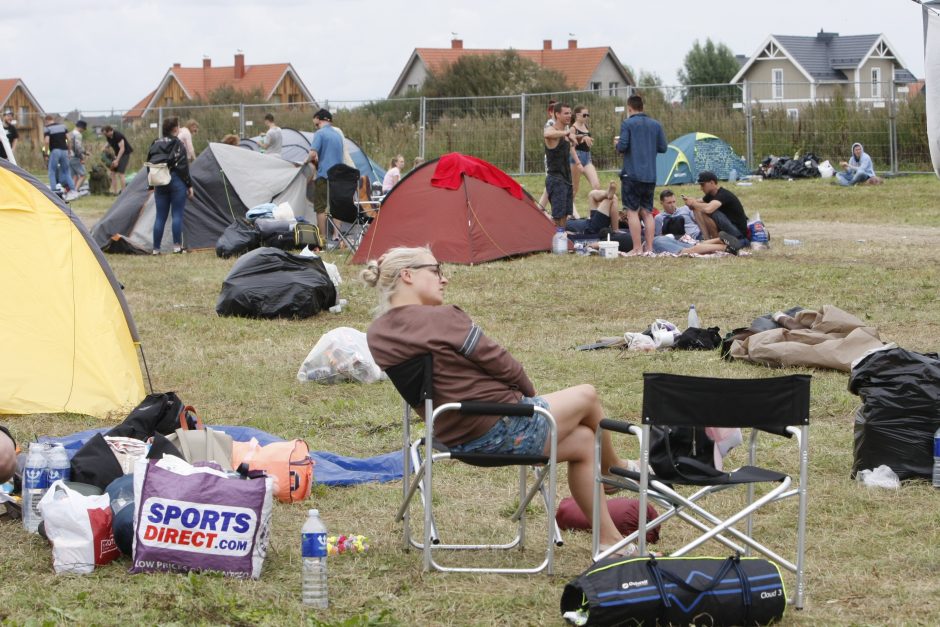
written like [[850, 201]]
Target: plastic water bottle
[[732, 176], [59, 467], [34, 486], [693, 318], [936, 459], [313, 556], [560, 242]]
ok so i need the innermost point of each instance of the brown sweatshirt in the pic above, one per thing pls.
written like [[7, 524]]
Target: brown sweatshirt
[[468, 366]]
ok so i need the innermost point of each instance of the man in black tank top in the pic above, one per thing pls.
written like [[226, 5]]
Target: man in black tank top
[[559, 153]]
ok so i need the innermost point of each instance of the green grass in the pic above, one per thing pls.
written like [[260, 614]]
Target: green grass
[[871, 554]]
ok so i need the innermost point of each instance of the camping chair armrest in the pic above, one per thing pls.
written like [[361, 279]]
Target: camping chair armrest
[[497, 409], [619, 426]]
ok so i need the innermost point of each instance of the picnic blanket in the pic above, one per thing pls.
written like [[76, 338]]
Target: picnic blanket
[[829, 338], [331, 469]]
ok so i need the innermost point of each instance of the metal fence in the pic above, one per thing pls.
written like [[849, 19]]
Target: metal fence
[[753, 118]]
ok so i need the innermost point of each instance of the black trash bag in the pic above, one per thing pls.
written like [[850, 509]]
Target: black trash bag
[[695, 339], [120, 245], [900, 412], [272, 283], [238, 237]]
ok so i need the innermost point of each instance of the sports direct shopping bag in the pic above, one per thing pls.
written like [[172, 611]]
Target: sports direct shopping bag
[[79, 528], [199, 518]]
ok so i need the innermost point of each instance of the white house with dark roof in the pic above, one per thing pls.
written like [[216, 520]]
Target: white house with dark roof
[[789, 70]]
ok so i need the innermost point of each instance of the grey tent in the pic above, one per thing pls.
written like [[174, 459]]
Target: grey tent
[[227, 181], [296, 146]]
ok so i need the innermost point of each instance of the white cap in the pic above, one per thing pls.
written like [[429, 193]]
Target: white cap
[[313, 512]]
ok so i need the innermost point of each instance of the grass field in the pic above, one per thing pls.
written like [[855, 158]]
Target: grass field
[[872, 554]]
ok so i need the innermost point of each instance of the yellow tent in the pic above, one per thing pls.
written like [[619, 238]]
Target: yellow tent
[[67, 338]]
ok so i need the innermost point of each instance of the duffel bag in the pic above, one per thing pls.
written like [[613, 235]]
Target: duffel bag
[[676, 591]]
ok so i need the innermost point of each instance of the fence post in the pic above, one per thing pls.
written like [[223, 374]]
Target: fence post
[[522, 134], [893, 131], [159, 121], [748, 125], [422, 123], [241, 119]]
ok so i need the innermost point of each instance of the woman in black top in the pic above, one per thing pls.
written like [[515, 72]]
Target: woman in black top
[[583, 150], [170, 150]]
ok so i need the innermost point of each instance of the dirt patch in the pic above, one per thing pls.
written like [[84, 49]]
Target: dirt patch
[[824, 231]]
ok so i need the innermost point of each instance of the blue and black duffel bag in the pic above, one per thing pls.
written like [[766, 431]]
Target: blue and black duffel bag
[[676, 591]]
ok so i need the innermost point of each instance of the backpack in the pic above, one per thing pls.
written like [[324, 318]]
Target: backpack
[[682, 453]]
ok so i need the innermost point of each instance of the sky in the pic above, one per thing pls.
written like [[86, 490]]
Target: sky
[[109, 54]]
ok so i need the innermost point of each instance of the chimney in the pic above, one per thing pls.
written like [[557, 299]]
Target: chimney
[[456, 44], [826, 37], [239, 65], [177, 65], [572, 44], [546, 44], [206, 63]]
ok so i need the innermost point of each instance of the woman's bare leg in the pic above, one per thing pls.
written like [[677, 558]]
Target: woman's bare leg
[[577, 406]]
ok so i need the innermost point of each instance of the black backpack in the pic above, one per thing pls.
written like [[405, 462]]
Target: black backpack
[[682, 453]]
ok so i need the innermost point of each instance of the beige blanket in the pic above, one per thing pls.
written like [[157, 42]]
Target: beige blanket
[[830, 338]]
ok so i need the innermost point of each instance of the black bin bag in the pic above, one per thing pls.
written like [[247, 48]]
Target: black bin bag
[[678, 591], [272, 283], [238, 237], [900, 392]]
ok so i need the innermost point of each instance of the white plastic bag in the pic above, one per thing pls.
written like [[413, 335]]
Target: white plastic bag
[[826, 170], [79, 528], [340, 355], [664, 333], [880, 477], [639, 342]]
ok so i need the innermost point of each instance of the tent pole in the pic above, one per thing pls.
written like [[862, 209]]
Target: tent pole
[[143, 358]]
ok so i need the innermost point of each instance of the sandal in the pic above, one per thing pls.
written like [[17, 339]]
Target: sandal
[[627, 550]]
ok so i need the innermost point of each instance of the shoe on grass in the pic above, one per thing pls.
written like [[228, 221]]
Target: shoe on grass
[[732, 242]]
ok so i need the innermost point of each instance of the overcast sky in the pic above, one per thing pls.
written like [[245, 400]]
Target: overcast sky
[[108, 54]]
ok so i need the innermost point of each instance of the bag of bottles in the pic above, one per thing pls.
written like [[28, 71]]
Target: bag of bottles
[[340, 355]]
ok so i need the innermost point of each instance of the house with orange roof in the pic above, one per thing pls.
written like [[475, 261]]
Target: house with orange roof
[[278, 82], [595, 69], [27, 114]]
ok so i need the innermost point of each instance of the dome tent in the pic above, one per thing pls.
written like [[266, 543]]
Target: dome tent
[[68, 342], [692, 153]]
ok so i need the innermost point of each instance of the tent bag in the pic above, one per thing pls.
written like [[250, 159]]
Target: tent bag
[[197, 518], [678, 591], [900, 411]]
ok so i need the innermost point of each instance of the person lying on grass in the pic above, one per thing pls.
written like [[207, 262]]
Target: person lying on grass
[[413, 320]]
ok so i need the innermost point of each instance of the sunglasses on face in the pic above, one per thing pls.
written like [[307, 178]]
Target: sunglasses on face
[[436, 268], [585, 115]]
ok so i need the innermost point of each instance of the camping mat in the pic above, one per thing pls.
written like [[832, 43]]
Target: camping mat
[[331, 469]]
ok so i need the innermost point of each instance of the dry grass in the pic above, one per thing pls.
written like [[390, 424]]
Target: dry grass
[[871, 553]]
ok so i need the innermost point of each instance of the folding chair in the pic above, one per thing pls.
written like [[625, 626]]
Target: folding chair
[[344, 204], [413, 380], [778, 406]]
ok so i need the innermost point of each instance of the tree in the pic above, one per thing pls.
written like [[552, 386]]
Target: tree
[[708, 65], [501, 74]]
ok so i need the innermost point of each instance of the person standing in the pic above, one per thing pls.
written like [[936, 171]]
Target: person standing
[[641, 139], [122, 155], [77, 154], [172, 196], [56, 144], [326, 150], [543, 200], [858, 169], [559, 154], [272, 140], [582, 149], [394, 174], [186, 137], [10, 129]]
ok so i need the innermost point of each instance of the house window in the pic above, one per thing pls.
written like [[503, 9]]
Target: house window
[[23, 119], [777, 74], [793, 114], [168, 102], [596, 86], [411, 87], [613, 87], [276, 99], [876, 82]]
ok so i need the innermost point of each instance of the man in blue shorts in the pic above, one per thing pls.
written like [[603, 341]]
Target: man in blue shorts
[[560, 140], [641, 139]]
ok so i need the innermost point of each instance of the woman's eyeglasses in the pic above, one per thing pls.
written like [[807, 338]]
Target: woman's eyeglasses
[[436, 268], [585, 115]]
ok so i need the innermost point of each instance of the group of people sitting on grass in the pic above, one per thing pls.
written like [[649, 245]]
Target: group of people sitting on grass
[[716, 222]]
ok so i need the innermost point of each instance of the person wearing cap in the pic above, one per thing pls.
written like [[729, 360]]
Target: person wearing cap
[[56, 144], [641, 139], [326, 150], [77, 154], [10, 128], [719, 213]]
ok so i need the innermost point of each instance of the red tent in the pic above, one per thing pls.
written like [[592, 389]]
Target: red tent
[[488, 216]]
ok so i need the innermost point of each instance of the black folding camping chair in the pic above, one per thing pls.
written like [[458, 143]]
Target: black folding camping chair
[[345, 206]]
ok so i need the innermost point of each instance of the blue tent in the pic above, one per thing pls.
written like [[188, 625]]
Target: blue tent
[[690, 154]]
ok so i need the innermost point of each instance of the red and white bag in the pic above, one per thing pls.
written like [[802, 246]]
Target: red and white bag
[[79, 528]]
